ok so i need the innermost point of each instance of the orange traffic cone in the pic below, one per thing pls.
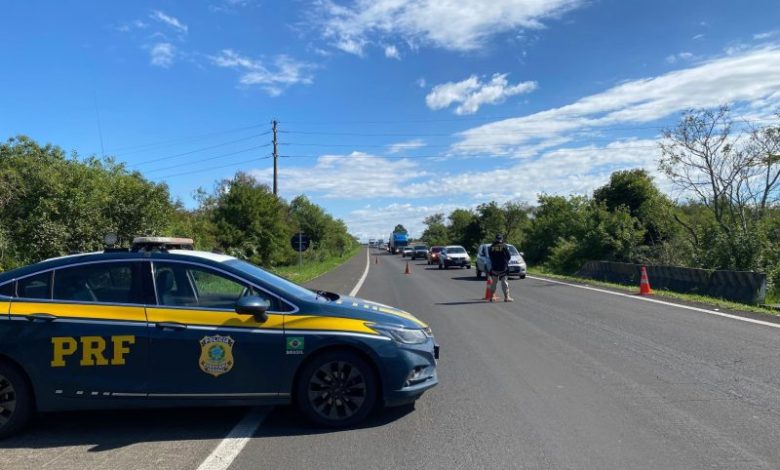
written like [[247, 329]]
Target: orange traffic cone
[[488, 293], [644, 283], [408, 269]]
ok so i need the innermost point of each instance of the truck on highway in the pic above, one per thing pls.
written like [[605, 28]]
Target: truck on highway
[[397, 241]]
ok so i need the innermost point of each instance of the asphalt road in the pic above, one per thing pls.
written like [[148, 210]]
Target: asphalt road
[[564, 378]]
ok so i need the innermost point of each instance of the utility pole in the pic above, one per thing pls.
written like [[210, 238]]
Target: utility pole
[[276, 161]]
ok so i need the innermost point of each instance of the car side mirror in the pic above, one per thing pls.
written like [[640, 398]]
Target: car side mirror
[[255, 306], [522, 254]]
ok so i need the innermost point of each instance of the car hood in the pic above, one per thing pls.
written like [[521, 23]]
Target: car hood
[[369, 311]]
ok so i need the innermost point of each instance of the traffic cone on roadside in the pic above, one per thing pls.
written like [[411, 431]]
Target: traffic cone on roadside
[[488, 293], [377, 260], [408, 269], [644, 283]]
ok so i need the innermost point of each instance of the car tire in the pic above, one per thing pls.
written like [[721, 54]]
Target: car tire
[[16, 401], [314, 392], [440, 266], [522, 276], [479, 273], [468, 266]]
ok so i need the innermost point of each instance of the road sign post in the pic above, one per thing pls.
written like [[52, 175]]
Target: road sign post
[[300, 243]]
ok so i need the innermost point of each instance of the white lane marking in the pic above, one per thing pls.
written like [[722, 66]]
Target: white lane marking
[[656, 301], [232, 445], [363, 277]]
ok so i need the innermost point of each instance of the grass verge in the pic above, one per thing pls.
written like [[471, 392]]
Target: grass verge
[[310, 269], [698, 299]]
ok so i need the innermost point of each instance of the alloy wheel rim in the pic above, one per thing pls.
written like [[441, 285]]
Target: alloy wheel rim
[[7, 400], [337, 390]]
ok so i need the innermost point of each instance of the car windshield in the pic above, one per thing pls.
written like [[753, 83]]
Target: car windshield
[[261, 274], [512, 250], [420, 247], [455, 249]]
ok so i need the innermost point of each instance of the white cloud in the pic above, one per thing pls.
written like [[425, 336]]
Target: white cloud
[[681, 56], [344, 176], [403, 146], [162, 54], [170, 21], [456, 25], [698, 36], [472, 93], [576, 170], [745, 78], [376, 222], [421, 82], [391, 52], [766, 35], [285, 73]]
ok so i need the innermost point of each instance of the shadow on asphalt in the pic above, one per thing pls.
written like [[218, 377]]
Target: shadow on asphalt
[[464, 302], [108, 430], [287, 421], [469, 278]]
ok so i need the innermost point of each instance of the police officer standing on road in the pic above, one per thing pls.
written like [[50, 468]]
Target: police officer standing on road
[[499, 267]]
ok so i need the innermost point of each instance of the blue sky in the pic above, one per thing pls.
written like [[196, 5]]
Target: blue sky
[[389, 110]]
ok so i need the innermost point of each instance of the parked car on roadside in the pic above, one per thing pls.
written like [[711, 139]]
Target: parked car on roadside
[[433, 254], [454, 255], [420, 251], [517, 265]]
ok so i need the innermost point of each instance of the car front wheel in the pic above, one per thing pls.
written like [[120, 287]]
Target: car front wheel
[[337, 389], [15, 401]]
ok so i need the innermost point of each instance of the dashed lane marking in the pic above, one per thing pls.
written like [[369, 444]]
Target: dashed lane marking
[[232, 445]]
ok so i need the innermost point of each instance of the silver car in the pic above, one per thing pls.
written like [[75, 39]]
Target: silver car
[[454, 255], [517, 266]]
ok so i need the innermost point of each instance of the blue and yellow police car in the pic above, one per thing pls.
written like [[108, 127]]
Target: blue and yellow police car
[[162, 325]]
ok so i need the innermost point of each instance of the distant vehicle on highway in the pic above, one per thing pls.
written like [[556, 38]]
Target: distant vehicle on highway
[[420, 251], [517, 266], [454, 255], [397, 241], [433, 254], [407, 251], [161, 326]]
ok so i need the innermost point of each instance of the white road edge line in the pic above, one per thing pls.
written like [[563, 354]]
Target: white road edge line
[[656, 301], [226, 452], [362, 279]]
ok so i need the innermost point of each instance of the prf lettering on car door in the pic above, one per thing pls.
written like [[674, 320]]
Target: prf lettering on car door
[[93, 350]]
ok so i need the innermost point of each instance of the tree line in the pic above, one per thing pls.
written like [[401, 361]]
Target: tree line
[[727, 215], [53, 204]]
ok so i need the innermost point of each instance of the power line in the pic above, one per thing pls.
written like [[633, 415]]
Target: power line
[[452, 156], [210, 147], [581, 129], [192, 137], [246, 162], [195, 162]]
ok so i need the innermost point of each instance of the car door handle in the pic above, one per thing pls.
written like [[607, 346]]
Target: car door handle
[[170, 326], [42, 317]]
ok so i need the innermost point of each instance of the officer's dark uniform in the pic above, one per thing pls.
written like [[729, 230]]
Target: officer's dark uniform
[[499, 267]]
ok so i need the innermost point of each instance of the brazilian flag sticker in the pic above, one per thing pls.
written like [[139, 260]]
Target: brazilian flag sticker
[[295, 344]]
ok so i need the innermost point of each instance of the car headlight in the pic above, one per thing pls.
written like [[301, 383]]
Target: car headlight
[[401, 335]]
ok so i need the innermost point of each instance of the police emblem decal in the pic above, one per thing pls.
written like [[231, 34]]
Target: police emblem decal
[[216, 355], [295, 344]]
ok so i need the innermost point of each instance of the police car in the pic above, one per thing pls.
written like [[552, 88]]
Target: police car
[[159, 326]]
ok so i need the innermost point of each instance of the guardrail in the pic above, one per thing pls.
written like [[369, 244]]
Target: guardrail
[[739, 286]]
